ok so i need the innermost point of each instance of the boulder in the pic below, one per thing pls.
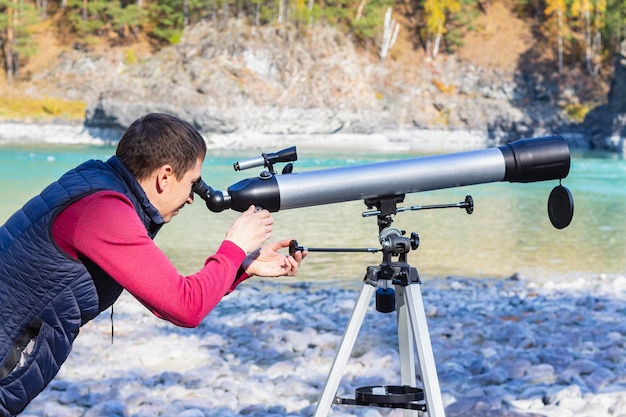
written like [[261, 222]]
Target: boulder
[[605, 126]]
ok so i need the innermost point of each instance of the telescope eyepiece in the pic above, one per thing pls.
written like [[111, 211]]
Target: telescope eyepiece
[[215, 201], [202, 189]]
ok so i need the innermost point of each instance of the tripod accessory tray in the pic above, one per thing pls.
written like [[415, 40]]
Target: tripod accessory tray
[[390, 396]]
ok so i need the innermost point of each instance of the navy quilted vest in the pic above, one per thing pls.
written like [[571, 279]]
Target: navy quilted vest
[[46, 296]]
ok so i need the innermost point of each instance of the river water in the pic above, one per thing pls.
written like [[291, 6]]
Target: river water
[[509, 231]]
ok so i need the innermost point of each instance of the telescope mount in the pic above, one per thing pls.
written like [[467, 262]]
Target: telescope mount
[[406, 300]]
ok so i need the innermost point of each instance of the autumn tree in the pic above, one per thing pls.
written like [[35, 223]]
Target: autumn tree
[[615, 25], [460, 22], [591, 18], [127, 17], [169, 18], [436, 13], [365, 27], [391, 29], [16, 20], [555, 25]]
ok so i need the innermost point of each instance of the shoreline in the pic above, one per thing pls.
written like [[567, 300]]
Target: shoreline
[[414, 140], [49, 132], [418, 140], [502, 348]]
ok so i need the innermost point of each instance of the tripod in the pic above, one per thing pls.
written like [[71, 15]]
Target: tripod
[[411, 320]]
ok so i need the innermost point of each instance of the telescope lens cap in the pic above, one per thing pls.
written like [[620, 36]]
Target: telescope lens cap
[[560, 207]]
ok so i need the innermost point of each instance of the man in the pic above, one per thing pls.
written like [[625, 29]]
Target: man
[[68, 253]]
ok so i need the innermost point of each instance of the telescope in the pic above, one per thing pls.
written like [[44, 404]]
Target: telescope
[[521, 161], [383, 185]]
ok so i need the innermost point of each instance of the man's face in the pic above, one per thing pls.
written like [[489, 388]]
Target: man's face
[[178, 192]]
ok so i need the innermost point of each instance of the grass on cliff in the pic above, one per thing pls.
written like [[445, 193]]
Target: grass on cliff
[[47, 109]]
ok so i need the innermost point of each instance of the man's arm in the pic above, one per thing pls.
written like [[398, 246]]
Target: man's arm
[[105, 228]]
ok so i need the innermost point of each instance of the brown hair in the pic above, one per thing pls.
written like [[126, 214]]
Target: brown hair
[[157, 139]]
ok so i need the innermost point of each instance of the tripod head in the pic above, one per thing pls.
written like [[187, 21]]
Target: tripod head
[[392, 240], [394, 243]]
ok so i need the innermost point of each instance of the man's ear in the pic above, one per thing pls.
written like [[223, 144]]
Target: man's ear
[[165, 175]]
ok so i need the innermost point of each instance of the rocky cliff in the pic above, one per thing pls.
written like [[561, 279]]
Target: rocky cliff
[[605, 126], [267, 80]]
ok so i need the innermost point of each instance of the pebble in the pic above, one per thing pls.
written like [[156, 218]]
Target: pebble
[[513, 347]]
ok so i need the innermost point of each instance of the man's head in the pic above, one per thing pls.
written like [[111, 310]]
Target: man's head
[[165, 155], [157, 139]]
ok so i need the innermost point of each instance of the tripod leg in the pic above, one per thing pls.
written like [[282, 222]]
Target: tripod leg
[[426, 359], [406, 346], [345, 349]]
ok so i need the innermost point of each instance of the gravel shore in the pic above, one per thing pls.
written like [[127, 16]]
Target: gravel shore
[[514, 347]]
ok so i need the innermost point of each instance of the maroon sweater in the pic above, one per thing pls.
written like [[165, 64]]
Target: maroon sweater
[[105, 228]]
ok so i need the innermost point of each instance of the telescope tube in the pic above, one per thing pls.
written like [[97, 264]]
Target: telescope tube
[[525, 160]]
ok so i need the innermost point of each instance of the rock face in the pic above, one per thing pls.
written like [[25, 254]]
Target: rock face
[[605, 126], [277, 81], [247, 81], [617, 95]]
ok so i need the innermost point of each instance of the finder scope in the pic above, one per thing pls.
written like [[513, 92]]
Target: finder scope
[[524, 160], [268, 159]]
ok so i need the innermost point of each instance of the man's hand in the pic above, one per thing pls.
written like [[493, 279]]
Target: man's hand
[[267, 262], [251, 229]]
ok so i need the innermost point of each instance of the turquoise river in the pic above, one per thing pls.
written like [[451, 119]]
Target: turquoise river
[[509, 231]]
